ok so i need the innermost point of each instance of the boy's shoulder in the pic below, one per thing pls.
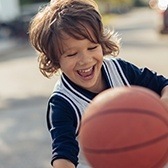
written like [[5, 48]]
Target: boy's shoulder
[[118, 62], [114, 60], [109, 58]]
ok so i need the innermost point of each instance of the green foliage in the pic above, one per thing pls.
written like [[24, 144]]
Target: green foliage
[[115, 6], [23, 2], [116, 2], [140, 3]]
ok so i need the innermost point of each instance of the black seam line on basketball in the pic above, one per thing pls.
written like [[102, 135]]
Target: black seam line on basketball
[[127, 110], [127, 148]]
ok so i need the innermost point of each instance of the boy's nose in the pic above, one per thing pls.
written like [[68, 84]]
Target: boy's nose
[[85, 61]]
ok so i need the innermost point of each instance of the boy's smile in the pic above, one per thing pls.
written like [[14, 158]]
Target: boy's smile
[[86, 73], [81, 61]]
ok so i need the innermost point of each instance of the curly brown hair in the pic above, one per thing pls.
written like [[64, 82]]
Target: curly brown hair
[[72, 17]]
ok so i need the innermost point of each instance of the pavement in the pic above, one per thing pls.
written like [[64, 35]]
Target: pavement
[[24, 139]]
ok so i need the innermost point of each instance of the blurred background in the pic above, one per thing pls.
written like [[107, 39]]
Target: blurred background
[[16, 14], [24, 139]]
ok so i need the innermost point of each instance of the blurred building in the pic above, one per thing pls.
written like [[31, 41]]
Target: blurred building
[[15, 18], [9, 10]]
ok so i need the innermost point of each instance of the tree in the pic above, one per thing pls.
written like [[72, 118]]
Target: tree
[[118, 6], [23, 2]]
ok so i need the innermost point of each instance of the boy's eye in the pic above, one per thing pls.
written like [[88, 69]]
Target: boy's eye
[[70, 55], [92, 48]]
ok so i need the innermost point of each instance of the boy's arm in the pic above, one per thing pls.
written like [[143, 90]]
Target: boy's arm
[[63, 163], [164, 95]]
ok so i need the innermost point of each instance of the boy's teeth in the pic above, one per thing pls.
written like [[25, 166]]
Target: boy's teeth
[[85, 70]]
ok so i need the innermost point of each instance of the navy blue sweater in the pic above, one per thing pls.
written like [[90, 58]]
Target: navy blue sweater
[[68, 102]]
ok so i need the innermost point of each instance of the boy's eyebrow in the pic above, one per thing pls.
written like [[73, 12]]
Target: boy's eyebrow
[[68, 50]]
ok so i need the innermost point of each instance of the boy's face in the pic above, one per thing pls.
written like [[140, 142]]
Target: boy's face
[[81, 61]]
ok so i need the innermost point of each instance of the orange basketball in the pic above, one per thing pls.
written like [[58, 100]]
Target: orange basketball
[[125, 127]]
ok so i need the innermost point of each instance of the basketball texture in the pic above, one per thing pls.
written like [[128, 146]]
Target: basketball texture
[[125, 127]]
